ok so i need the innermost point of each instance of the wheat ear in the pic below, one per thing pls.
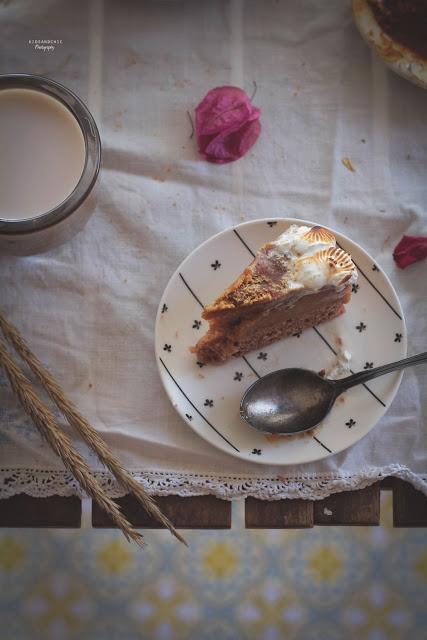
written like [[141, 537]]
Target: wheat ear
[[83, 427], [61, 444]]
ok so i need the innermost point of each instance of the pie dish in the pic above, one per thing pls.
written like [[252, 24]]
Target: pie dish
[[397, 31]]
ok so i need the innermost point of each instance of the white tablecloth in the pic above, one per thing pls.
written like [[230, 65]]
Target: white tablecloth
[[88, 308]]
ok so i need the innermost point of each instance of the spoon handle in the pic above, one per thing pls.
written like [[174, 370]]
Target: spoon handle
[[363, 376]]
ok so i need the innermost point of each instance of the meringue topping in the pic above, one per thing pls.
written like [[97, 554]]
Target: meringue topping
[[319, 234], [313, 259]]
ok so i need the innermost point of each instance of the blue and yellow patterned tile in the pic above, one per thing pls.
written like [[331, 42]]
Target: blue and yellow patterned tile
[[58, 606], [111, 565], [164, 609], [405, 567], [13, 627], [325, 565], [420, 629], [111, 625], [222, 627], [222, 564], [24, 555], [377, 612], [272, 539], [318, 629], [271, 610]]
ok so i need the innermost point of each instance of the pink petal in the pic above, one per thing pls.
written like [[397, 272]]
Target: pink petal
[[227, 124], [233, 145], [410, 249], [222, 107]]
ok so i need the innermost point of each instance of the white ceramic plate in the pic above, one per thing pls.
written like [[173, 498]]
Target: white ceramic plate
[[207, 397]]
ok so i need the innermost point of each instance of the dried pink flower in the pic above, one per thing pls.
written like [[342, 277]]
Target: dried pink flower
[[409, 250], [227, 125]]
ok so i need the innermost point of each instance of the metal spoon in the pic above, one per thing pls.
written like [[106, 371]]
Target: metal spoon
[[291, 401]]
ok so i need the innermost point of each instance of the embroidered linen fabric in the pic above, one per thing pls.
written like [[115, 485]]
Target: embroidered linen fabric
[[88, 308]]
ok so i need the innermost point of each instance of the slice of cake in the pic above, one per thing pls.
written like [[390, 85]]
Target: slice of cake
[[294, 283]]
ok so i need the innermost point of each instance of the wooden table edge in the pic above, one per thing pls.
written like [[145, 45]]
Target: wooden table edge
[[350, 508]]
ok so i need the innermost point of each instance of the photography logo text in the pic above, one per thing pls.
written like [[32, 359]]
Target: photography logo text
[[44, 46]]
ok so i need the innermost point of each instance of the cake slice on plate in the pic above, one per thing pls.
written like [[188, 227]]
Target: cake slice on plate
[[298, 281]]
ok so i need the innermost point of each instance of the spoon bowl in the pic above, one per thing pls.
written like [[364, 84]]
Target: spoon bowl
[[288, 401]]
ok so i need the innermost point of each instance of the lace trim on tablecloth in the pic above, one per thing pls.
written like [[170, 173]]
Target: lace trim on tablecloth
[[41, 483]]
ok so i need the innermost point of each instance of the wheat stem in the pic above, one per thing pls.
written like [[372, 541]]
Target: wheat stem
[[61, 444], [84, 428]]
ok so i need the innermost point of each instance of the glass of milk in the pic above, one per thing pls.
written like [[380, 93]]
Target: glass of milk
[[50, 154]]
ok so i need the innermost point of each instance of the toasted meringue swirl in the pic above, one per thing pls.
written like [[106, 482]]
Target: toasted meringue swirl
[[314, 260], [319, 234]]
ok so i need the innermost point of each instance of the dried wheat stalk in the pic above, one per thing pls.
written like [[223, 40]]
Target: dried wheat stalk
[[61, 444], [83, 427]]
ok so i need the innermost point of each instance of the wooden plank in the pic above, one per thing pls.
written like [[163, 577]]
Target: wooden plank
[[409, 505], [360, 507], [278, 514], [25, 511], [198, 512]]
